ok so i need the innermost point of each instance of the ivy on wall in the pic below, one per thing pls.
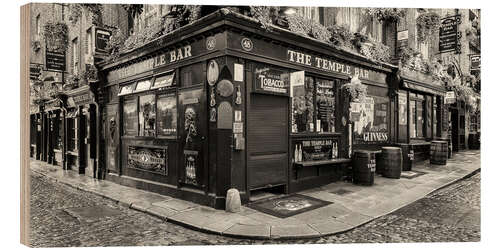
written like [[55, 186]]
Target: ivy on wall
[[92, 10], [427, 25], [56, 36]]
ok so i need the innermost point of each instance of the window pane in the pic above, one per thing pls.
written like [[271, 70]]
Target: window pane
[[371, 126], [303, 109], [413, 111], [167, 115], [130, 117], [420, 118], [147, 115], [435, 118], [325, 106]]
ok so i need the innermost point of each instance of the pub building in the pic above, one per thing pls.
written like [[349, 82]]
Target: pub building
[[36, 131], [422, 116], [82, 131], [221, 103]]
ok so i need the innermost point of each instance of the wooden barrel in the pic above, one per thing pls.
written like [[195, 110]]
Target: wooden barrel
[[392, 161], [439, 152], [363, 167], [408, 155]]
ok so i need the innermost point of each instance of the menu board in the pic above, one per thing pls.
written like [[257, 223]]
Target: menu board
[[325, 100]]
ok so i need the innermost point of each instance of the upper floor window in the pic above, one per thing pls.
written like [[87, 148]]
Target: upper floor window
[[310, 13], [89, 41]]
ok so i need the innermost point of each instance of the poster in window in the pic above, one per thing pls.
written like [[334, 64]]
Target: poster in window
[[130, 117], [167, 115], [402, 109], [325, 106], [372, 124], [147, 115]]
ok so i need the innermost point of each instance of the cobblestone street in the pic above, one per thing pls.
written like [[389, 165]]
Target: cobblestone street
[[63, 216]]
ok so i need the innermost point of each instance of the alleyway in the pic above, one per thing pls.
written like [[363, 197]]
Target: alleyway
[[62, 216]]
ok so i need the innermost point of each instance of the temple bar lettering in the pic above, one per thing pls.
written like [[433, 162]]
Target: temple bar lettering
[[326, 64]]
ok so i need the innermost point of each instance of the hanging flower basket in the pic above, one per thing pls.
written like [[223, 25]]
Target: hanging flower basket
[[356, 89], [427, 25]]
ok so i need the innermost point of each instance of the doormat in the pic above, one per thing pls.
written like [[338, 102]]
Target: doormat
[[411, 174], [284, 207]]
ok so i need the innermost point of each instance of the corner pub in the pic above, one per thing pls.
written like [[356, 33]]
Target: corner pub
[[221, 104]]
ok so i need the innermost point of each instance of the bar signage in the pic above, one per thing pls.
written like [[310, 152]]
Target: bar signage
[[147, 158], [55, 60], [448, 34], [102, 37], [315, 149], [273, 81], [83, 99], [35, 71], [326, 64], [475, 62]]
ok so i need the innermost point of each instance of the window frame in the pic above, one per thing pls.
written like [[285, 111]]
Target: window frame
[[314, 108]]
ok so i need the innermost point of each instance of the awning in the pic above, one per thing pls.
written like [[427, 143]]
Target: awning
[[72, 113], [424, 87], [143, 86], [127, 89], [165, 80]]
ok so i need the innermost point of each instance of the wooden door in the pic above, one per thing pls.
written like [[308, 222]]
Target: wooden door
[[267, 141]]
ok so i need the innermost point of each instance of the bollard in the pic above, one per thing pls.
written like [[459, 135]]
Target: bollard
[[233, 201]]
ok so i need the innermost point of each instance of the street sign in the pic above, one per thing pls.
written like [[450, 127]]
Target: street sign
[[450, 97]]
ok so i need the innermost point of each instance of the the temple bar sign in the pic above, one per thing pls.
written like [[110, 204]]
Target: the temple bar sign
[[326, 64]]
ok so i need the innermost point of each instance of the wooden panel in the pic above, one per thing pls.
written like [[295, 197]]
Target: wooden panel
[[267, 169], [267, 140]]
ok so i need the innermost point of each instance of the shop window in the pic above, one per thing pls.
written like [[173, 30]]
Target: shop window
[[71, 126], [60, 134], [417, 119], [167, 115], [420, 118], [147, 115], [325, 105], [193, 75], [403, 115], [130, 116], [434, 115], [303, 107], [371, 122]]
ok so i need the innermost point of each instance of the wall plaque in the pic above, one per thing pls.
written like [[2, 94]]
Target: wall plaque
[[212, 72], [225, 116], [148, 159], [225, 88]]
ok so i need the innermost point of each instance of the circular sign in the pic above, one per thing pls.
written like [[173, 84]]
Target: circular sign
[[246, 44], [210, 43], [225, 88], [212, 72]]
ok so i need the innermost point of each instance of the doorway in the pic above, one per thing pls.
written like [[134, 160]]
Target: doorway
[[267, 141]]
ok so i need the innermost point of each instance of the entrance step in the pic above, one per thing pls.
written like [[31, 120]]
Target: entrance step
[[261, 195]]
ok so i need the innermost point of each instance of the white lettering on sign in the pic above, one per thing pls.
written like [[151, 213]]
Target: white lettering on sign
[[326, 64], [375, 136]]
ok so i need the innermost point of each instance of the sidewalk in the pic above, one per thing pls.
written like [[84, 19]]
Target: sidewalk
[[348, 210]]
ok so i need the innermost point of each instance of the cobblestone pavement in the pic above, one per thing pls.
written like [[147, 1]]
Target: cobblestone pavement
[[62, 216]]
